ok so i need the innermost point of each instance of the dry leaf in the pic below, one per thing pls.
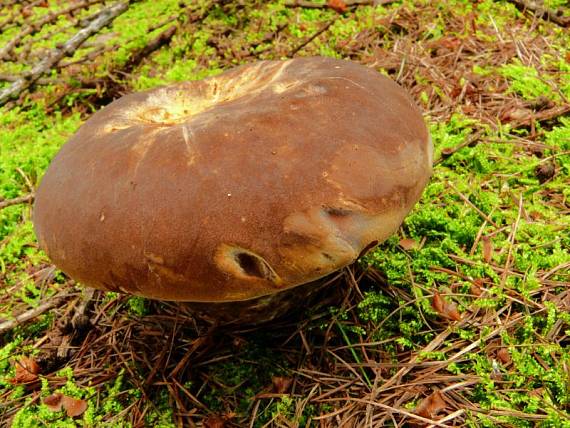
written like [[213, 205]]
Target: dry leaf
[[54, 401], [214, 422], [445, 308], [72, 406], [476, 287], [487, 249], [337, 5], [451, 43], [503, 356], [281, 384], [431, 405], [408, 244], [26, 371]]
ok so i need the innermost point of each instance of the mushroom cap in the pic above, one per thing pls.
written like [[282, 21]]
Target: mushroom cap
[[262, 178]]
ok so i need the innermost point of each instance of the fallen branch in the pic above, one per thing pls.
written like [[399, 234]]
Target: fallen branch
[[32, 313], [470, 140], [19, 200], [310, 4], [541, 116], [311, 38], [108, 87], [556, 16], [5, 25], [103, 19], [162, 39], [37, 26]]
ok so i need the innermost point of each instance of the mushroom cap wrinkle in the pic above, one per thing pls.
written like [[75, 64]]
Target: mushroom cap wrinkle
[[265, 177]]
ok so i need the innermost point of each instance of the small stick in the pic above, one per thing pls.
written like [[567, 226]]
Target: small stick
[[36, 26], [467, 201], [313, 37], [512, 238], [103, 19], [541, 116], [311, 5], [471, 139], [538, 9], [32, 313], [19, 200]]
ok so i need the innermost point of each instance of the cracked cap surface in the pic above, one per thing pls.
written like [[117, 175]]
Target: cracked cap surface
[[262, 178]]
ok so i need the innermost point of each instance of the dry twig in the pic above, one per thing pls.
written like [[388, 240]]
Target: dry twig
[[103, 19], [15, 201], [32, 313], [312, 5], [556, 16]]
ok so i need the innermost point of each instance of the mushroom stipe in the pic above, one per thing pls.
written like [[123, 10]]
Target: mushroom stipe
[[236, 187]]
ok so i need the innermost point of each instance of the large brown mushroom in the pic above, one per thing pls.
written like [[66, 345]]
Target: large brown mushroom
[[235, 187]]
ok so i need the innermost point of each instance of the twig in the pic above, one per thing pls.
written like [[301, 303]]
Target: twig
[[311, 38], [311, 5], [98, 50], [472, 205], [556, 16], [36, 26], [471, 139], [40, 81], [32, 313], [511, 240], [79, 319], [162, 39], [16, 15], [16, 201], [543, 115], [103, 19]]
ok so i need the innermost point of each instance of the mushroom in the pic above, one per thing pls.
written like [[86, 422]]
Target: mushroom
[[236, 187]]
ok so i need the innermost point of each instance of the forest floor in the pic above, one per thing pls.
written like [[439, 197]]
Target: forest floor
[[461, 319]]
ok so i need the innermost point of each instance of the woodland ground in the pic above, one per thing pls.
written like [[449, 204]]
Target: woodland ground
[[462, 318]]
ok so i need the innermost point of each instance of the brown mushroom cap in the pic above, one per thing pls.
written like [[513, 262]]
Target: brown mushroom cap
[[267, 176]]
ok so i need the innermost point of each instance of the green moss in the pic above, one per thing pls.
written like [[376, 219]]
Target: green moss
[[526, 82]]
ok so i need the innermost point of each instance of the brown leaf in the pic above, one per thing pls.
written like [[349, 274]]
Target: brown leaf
[[445, 308], [54, 401], [476, 287], [487, 249], [408, 244], [451, 43], [337, 5], [431, 405], [27, 370], [74, 406], [214, 422], [281, 384], [503, 356]]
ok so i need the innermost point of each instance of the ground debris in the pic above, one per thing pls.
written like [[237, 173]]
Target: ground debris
[[488, 234], [73, 406], [27, 370], [430, 406]]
